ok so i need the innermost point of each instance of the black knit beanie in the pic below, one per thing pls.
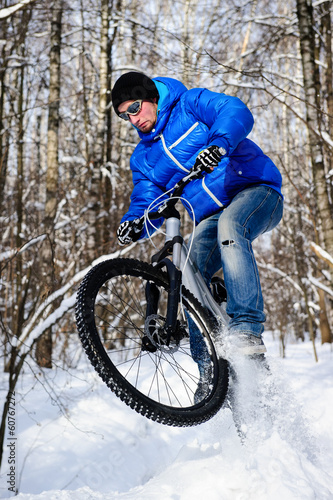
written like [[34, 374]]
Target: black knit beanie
[[130, 86]]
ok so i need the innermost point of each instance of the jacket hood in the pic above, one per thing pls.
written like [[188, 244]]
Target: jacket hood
[[170, 91]]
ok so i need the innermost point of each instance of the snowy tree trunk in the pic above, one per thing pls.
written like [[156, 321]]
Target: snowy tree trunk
[[84, 89], [3, 148], [103, 75], [94, 222], [19, 202], [326, 36], [53, 122], [326, 31], [189, 9], [312, 89], [19, 277], [44, 344]]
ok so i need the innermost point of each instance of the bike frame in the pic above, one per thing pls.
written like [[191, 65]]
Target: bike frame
[[182, 271]]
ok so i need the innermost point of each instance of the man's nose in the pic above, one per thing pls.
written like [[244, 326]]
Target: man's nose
[[134, 119]]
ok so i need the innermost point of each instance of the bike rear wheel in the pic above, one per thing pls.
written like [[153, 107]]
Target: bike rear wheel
[[130, 351]]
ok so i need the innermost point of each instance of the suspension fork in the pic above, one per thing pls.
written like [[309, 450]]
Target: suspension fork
[[173, 245]]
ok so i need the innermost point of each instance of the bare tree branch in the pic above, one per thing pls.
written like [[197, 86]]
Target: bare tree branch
[[9, 11], [322, 254]]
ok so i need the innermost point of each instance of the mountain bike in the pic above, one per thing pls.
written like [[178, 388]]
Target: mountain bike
[[152, 331]]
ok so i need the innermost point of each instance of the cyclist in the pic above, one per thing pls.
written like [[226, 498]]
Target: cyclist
[[237, 200]]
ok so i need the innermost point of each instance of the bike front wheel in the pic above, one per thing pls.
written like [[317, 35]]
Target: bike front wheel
[[131, 351]]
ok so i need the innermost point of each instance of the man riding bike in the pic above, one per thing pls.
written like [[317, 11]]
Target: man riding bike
[[237, 199]]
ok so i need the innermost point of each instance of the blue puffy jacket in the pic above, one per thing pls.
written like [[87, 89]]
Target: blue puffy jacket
[[187, 122]]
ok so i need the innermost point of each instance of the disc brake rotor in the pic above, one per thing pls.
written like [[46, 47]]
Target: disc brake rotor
[[154, 330]]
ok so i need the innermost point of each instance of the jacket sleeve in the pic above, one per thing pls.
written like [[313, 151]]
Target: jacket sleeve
[[228, 119], [144, 193]]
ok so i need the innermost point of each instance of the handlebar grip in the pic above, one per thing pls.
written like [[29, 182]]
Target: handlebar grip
[[155, 215]]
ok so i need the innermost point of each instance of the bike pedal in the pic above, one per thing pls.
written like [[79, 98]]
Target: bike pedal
[[219, 290]]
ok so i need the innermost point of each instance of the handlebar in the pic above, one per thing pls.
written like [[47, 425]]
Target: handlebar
[[168, 206]]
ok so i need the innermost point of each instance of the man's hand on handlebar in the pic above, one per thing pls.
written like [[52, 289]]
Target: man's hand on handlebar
[[208, 159], [129, 231]]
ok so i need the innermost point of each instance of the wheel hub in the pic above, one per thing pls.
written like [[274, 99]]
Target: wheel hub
[[157, 336]]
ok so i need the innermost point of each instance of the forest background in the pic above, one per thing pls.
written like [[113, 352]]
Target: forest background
[[64, 155]]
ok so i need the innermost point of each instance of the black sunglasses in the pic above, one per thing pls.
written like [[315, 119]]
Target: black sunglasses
[[133, 109]]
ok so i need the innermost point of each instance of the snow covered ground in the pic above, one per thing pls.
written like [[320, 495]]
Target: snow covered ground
[[77, 441]]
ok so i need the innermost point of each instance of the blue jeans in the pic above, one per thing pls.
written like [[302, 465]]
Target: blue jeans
[[225, 240]]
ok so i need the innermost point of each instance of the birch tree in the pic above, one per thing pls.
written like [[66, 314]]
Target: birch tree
[[94, 235], [44, 344], [313, 118]]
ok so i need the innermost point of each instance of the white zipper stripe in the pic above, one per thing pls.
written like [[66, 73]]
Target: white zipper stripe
[[171, 155], [211, 194], [184, 135]]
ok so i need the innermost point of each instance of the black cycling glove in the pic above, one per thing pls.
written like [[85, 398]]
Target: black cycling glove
[[129, 231], [209, 158]]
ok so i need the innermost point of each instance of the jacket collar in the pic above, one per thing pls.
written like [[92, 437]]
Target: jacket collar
[[170, 91]]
